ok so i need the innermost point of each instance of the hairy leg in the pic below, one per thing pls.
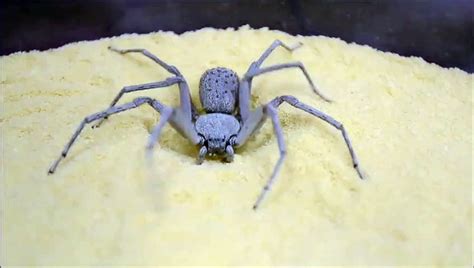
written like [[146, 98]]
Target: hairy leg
[[170, 68], [271, 112], [249, 127], [229, 154], [277, 67], [246, 83], [186, 104], [165, 83], [155, 133], [113, 110], [257, 117], [202, 155], [311, 110], [270, 49]]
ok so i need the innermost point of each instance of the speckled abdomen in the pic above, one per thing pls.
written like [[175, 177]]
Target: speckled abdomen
[[218, 90]]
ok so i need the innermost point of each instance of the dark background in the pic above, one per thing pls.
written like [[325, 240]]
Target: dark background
[[440, 31]]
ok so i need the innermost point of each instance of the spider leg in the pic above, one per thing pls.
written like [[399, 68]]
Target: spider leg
[[245, 84], [260, 71], [256, 119], [165, 83], [186, 104], [270, 49], [272, 113], [250, 126], [178, 120], [113, 110], [155, 134], [146, 53], [202, 155], [297, 104], [229, 154], [244, 91], [256, 64]]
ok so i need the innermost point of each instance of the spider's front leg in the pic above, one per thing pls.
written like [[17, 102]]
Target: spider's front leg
[[249, 127], [257, 117], [166, 113]]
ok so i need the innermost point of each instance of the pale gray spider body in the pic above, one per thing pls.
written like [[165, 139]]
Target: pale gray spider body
[[228, 121]]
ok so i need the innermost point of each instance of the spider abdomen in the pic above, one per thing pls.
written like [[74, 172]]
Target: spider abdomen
[[218, 90], [217, 129]]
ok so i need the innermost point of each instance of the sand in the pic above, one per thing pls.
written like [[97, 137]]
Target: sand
[[410, 123]]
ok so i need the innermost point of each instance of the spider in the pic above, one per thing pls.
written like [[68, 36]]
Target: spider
[[227, 121]]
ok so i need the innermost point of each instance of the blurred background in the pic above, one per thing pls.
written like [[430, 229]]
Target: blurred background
[[440, 31]]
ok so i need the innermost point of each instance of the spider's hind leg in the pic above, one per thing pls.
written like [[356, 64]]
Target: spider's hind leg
[[259, 71], [146, 53], [186, 105], [277, 43], [255, 69]]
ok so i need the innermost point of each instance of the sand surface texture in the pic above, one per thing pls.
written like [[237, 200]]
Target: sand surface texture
[[410, 123]]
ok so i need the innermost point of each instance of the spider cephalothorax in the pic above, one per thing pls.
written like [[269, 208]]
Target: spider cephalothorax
[[217, 130], [227, 121]]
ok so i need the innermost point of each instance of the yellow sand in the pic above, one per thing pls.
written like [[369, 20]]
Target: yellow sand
[[410, 123]]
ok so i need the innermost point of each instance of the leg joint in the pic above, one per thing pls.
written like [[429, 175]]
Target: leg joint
[[140, 100], [277, 42], [127, 89], [91, 118], [290, 99], [175, 71]]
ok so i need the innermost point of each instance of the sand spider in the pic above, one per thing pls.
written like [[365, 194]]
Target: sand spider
[[228, 120]]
